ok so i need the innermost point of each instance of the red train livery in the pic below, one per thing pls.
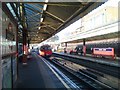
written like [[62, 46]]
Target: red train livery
[[45, 50]]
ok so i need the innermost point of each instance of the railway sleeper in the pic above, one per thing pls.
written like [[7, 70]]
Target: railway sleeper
[[94, 84], [89, 73]]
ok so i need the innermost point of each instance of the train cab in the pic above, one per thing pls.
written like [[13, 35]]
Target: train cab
[[45, 51]]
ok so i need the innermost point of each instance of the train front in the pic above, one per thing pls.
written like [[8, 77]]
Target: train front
[[45, 51]]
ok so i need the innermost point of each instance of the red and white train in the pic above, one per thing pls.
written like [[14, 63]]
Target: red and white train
[[45, 50]]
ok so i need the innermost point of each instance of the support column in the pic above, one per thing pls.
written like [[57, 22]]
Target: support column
[[24, 46], [84, 47], [28, 43], [65, 49], [1, 49], [66, 44], [28, 46], [17, 47]]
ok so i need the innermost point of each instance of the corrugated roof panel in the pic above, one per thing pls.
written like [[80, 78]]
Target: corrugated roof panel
[[33, 14], [34, 0]]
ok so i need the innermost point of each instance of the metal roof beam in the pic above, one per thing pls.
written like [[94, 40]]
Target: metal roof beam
[[16, 11], [7, 11], [49, 14], [72, 4], [52, 27], [29, 14], [52, 15], [47, 24], [78, 14]]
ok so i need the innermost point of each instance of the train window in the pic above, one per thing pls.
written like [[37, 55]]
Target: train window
[[49, 48], [41, 48], [46, 47]]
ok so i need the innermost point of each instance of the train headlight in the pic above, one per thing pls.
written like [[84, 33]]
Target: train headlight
[[42, 53]]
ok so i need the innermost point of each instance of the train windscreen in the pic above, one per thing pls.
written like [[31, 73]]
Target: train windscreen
[[46, 47]]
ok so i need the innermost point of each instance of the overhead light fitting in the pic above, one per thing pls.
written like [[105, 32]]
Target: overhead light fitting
[[39, 28], [41, 20]]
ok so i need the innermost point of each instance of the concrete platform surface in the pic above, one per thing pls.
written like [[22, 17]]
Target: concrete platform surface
[[36, 74]]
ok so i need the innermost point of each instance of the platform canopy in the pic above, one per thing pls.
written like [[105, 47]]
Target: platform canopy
[[44, 19]]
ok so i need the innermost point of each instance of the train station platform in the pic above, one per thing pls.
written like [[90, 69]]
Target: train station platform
[[108, 61], [36, 74]]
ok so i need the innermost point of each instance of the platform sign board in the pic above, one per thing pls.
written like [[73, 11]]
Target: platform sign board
[[6, 73]]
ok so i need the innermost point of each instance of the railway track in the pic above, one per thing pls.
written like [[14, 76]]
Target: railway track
[[101, 67], [93, 74], [82, 80]]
